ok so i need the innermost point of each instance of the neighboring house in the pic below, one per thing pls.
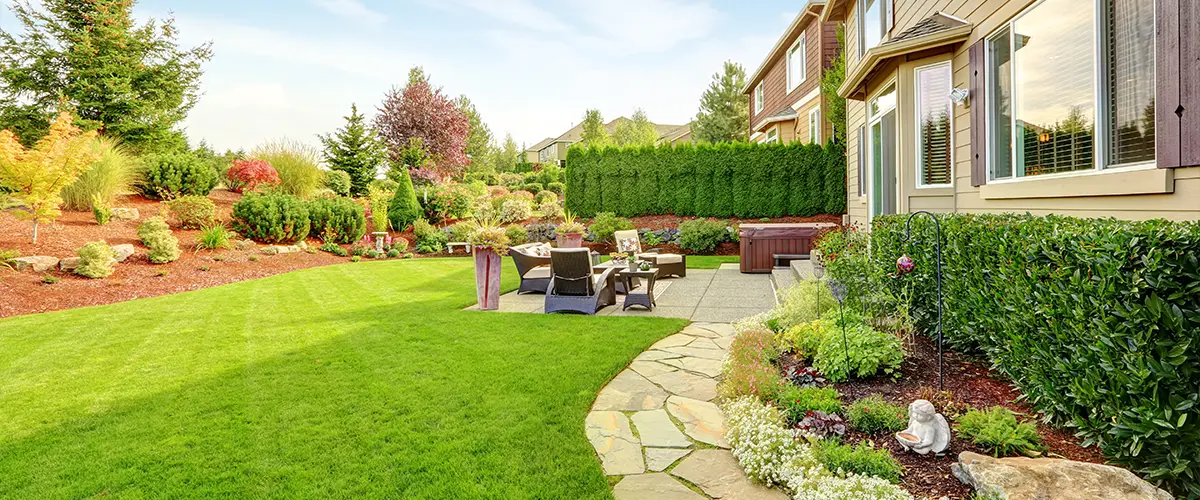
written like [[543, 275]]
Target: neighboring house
[[555, 148], [785, 90], [1086, 108], [678, 135]]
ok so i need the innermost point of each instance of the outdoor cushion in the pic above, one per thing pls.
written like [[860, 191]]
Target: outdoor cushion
[[662, 258], [541, 249], [628, 241], [537, 272]]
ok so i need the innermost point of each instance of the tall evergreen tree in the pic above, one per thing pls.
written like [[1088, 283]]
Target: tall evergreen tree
[[479, 137], [831, 80], [724, 111], [128, 80], [594, 134], [356, 150], [637, 131], [508, 156], [404, 209]]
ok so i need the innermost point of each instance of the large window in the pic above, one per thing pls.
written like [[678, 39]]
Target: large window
[[814, 126], [862, 162], [758, 98], [797, 63], [872, 24], [933, 113], [1067, 93], [772, 136]]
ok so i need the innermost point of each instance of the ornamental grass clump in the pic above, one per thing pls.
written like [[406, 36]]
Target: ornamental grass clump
[[214, 237], [112, 174], [96, 260], [750, 369], [998, 430]]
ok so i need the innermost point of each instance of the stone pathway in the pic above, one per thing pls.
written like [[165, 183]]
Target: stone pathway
[[656, 426]]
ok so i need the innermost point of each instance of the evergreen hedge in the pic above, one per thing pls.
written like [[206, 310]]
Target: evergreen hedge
[[707, 180], [1097, 321]]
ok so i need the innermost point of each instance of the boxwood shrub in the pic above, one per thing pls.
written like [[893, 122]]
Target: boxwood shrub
[[721, 180], [337, 219], [271, 217], [1097, 321]]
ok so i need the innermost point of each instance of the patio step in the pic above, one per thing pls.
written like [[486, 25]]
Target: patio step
[[802, 270], [783, 278]]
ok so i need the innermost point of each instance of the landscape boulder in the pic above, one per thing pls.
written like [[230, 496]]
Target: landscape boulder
[[281, 249], [69, 263], [1020, 478], [123, 251], [36, 263], [125, 214]]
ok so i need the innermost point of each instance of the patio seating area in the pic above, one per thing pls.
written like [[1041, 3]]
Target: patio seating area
[[710, 295]]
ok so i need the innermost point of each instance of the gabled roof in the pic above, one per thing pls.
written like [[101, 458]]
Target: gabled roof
[[813, 9], [575, 134], [783, 115], [541, 145], [938, 30], [675, 133]]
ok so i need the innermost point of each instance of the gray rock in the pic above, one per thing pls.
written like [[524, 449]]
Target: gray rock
[[610, 434], [718, 474], [650, 368], [696, 330], [653, 487], [1020, 478], [68, 264], [656, 429], [656, 355], [708, 367], [629, 391], [688, 385], [125, 214], [672, 341], [658, 459], [281, 249], [714, 354], [35, 263], [703, 344], [244, 244], [702, 421], [123, 251]]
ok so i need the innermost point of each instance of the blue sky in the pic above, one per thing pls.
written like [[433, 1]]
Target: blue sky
[[292, 68]]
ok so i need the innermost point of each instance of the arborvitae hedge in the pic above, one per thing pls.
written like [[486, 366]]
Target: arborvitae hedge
[[708, 180]]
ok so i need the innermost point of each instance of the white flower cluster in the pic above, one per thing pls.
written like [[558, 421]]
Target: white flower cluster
[[771, 453]]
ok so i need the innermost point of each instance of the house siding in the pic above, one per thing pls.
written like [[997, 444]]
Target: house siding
[[820, 42], [987, 15]]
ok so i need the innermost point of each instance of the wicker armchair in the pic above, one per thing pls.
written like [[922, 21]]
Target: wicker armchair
[[667, 263], [574, 287], [534, 269]]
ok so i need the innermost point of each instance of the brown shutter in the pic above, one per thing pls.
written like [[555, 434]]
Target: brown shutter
[[1177, 96], [978, 104]]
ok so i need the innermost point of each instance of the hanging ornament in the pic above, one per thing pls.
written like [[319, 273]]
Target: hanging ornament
[[905, 264]]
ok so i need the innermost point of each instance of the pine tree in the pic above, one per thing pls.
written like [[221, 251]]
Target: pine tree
[[594, 134], [508, 157], [356, 150], [132, 81], [724, 111], [637, 131], [404, 209], [479, 136]]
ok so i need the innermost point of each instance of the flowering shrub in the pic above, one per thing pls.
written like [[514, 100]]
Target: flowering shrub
[[248, 175], [749, 370], [515, 210], [820, 484], [762, 445], [873, 415]]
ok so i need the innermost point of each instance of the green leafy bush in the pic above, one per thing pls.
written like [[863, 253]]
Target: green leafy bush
[[1097, 321], [404, 208], [193, 211], [557, 188], [795, 402], [550, 210], [515, 210], [169, 175], [297, 165], [338, 182], [112, 174], [271, 218], [461, 232], [96, 260], [429, 239], [100, 210], [393, 253], [338, 219], [333, 248], [156, 235], [873, 415], [517, 235], [708, 180], [860, 351], [802, 303], [214, 237], [546, 197], [998, 430], [702, 235], [605, 224], [861, 459], [533, 187]]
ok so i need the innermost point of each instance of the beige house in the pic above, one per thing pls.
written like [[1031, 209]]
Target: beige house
[[785, 95], [1086, 108], [554, 149]]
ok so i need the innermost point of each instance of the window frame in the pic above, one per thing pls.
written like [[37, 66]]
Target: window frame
[[814, 125], [759, 97], [861, 19], [801, 45], [862, 163], [772, 136], [917, 124], [1100, 99]]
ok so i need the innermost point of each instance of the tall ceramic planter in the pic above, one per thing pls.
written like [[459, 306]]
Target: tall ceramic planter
[[487, 278], [570, 240]]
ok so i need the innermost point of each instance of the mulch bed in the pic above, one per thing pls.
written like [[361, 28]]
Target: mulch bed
[[972, 383]]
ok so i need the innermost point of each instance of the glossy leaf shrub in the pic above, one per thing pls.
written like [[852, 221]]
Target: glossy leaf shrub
[[709, 180], [248, 175], [1096, 320]]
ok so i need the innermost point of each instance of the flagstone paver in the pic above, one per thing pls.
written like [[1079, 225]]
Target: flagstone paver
[[656, 429], [667, 388], [620, 452]]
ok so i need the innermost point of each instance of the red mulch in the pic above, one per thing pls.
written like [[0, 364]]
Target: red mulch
[[971, 382]]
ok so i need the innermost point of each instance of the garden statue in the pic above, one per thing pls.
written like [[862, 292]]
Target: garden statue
[[927, 429], [379, 236]]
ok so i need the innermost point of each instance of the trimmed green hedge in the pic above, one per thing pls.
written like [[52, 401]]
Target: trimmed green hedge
[[1097, 321], [721, 180]]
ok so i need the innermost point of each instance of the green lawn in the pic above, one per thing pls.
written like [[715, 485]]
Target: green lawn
[[356, 380]]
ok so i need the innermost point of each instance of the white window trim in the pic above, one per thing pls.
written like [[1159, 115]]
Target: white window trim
[[1100, 143], [860, 19], [801, 45], [759, 97], [772, 136], [917, 126], [814, 125], [871, 120]]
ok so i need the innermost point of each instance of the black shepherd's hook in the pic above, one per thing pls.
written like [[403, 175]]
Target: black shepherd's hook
[[937, 226]]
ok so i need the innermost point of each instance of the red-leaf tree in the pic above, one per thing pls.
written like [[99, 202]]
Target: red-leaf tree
[[419, 110]]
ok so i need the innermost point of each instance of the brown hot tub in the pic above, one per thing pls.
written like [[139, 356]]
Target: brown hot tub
[[766, 245]]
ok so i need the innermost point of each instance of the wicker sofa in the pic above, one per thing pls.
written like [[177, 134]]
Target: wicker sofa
[[533, 266], [668, 264]]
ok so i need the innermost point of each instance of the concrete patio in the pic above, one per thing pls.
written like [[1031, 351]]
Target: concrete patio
[[711, 295]]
